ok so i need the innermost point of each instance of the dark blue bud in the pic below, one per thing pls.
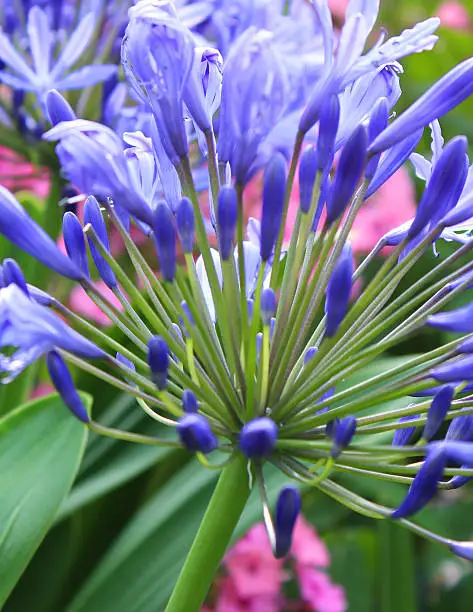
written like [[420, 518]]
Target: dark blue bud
[[451, 203], [125, 362], [461, 429], [188, 318], [274, 191], [62, 380], [348, 174], [40, 296], [185, 224], [272, 327], [338, 290], [378, 122], [268, 305], [456, 452], [258, 438], [158, 361], [442, 186], [460, 213], [288, 508], [310, 354], [456, 482], [404, 435], [189, 402], [58, 108], [445, 94], [463, 550], [176, 331], [438, 411], [328, 126], [93, 215], [75, 242], [344, 431], [330, 427], [424, 486], [227, 216], [466, 346], [457, 321], [460, 369], [13, 275], [196, 434], [307, 174], [165, 236], [392, 160]]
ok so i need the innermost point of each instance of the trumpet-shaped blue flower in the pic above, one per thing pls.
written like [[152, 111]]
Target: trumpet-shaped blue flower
[[33, 330], [46, 74]]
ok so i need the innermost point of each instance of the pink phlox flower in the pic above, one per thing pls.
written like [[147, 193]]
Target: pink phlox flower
[[81, 304], [319, 592], [16, 174], [252, 566], [454, 15], [230, 600], [307, 547]]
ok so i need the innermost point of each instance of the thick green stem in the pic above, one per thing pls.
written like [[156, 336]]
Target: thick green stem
[[210, 544]]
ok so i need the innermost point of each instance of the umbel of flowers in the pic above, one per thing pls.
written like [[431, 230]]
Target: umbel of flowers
[[243, 349]]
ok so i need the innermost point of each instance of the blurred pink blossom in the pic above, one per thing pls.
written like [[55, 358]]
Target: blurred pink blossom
[[254, 579], [393, 204], [338, 8], [81, 304], [454, 15], [41, 390], [16, 174]]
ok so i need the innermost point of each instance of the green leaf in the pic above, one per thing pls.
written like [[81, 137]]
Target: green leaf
[[42, 445]]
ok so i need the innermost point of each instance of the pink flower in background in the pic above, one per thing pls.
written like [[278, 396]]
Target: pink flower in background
[[254, 579], [16, 174], [393, 204], [454, 15], [81, 304], [338, 8], [41, 390]]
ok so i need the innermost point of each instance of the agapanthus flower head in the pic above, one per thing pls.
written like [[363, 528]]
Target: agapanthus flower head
[[257, 347]]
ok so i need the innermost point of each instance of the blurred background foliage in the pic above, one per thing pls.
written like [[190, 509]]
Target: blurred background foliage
[[121, 535]]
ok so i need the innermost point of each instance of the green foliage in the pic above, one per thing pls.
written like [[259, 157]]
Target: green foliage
[[42, 445]]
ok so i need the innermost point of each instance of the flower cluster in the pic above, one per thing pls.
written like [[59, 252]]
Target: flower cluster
[[247, 350]]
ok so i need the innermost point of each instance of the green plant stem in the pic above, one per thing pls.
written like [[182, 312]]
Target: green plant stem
[[211, 541]]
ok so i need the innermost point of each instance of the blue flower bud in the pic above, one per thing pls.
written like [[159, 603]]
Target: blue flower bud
[[425, 484], [274, 191], [185, 224], [392, 160], [328, 126], [442, 97], [13, 275], [158, 361], [348, 174], [457, 321], [442, 186], [125, 362], [459, 214], [268, 305], [460, 369], [165, 236], [463, 550], [189, 402], [378, 122], [189, 317], [404, 436], [227, 216], [338, 291], [437, 412], [58, 108], [258, 438], [40, 296], [196, 434], [343, 434], [288, 508], [259, 344], [75, 242], [62, 380], [310, 354], [456, 452], [93, 215], [461, 429], [20, 229], [307, 174]]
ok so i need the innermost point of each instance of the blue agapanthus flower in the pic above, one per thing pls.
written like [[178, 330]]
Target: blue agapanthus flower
[[247, 349]]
